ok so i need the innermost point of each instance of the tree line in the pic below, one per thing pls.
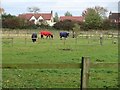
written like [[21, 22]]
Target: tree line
[[94, 18]]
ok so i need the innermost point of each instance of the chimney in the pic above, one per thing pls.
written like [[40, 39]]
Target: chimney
[[51, 12], [110, 13]]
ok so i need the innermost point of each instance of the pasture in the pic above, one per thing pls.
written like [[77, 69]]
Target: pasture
[[21, 50]]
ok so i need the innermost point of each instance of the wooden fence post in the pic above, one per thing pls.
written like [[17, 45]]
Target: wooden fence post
[[25, 40], [12, 41], [85, 64]]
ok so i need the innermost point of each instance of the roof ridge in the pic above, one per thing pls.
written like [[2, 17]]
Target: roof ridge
[[34, 13]]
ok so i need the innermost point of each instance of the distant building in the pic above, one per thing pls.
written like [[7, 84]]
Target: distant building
[[114, 17], [37, 18], [72, 18]]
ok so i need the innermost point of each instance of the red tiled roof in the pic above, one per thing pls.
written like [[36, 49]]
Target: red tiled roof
[[114, 16], [73, 18], [46, 16]]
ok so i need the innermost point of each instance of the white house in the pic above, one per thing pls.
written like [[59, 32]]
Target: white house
[[38, 17]]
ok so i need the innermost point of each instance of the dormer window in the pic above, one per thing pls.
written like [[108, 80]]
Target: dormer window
[[32, 20], [41, 20]]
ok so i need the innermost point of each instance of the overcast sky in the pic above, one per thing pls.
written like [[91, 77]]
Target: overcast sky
[[16, 7]]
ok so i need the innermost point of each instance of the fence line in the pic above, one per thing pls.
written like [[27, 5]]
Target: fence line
[[88, 40], [58, 66], [40, 66], [85, 66], [104, 65]]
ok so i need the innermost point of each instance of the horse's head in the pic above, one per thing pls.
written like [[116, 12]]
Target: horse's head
[[67, 33], [52, 36]]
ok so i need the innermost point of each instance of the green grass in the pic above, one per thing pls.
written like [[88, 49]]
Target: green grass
[[53, 51], [56, 51]]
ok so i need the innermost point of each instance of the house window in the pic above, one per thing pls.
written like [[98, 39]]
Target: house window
[[33, 21], [40, 20]]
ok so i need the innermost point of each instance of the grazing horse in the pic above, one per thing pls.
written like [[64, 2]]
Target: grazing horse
[[46, 33], [34, 37], [64, 34]]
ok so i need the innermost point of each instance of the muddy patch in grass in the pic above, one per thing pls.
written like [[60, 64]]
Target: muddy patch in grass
[[66, 49], [99, 60]]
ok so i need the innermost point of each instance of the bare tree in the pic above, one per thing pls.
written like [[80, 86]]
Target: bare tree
[[33, 9], [98, 9], [102, 11]]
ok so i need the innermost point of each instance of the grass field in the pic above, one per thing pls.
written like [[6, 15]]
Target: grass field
[[58, 51]]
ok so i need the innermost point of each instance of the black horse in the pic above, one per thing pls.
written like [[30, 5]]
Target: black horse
[[34, 37]]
